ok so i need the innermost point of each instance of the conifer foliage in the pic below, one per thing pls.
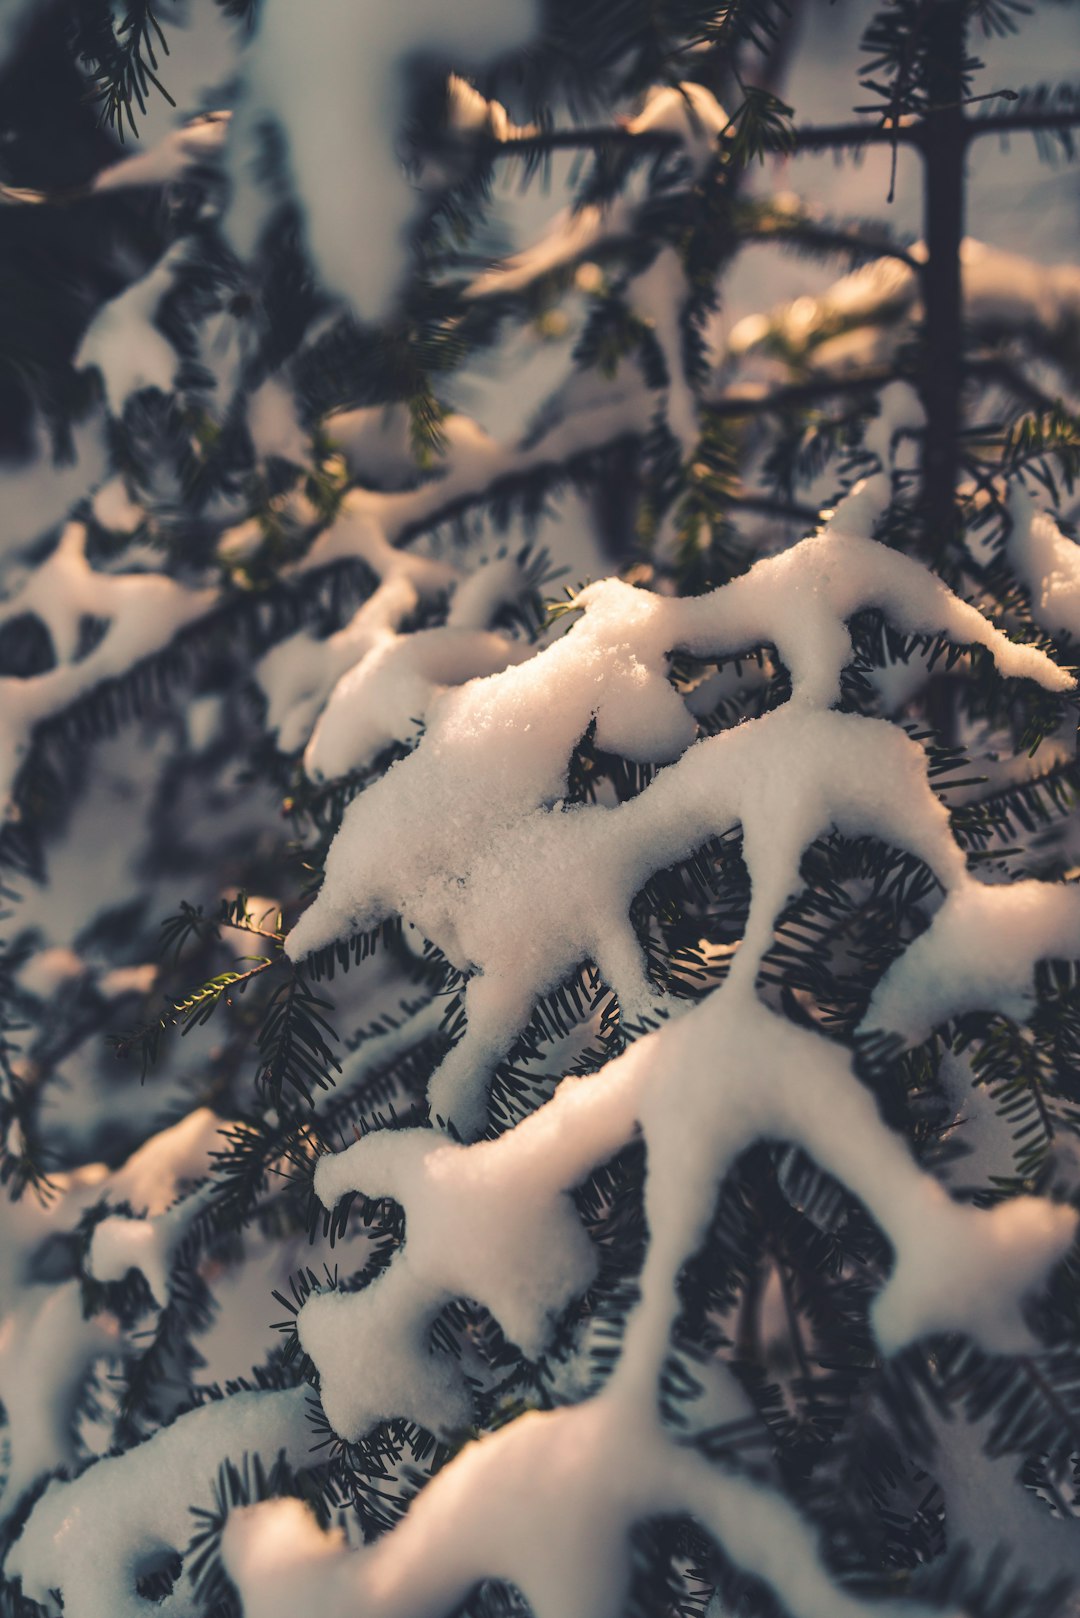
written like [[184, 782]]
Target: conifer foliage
[[539, 1003]]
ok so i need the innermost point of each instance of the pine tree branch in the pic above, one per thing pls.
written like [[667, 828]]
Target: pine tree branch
[[1010, 376], [809, 138], [808, 233], [851, 135], [1021, 123], [856, 134], [798, 394], [583, 136]]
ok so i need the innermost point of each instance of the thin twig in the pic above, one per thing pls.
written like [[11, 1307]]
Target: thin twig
[[829, 236]]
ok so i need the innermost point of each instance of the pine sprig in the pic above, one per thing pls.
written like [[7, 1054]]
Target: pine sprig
[[190, 1010], [1045, 447], [293, 1036], [760, 125], [123, 60], [293, 1042]]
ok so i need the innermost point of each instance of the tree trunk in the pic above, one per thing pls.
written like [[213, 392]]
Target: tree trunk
[[943, 344]]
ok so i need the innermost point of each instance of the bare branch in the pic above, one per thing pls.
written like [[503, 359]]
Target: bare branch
[[851, 136], [824, 137]]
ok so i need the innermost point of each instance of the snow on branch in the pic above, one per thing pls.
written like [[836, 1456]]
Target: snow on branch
[[461, 839], [89, 1536], [604, 1467], [864, 320], [143, 612], [357, 57], [135, 614], [457, 839], [50, 1345]]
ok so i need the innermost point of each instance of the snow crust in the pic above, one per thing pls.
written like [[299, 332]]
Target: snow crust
[[687, 111], [570, 235], [140, 612], [170, 158], [341, 143], [345, 698], [146, 609], [1047, 562], [459, 838], [658, 296], [273, 423], [863, 320], [123, 343], [303, 678], [47, 1347], [146, 1242], [114, 508], [982, 1488], [87, 1537], [565, 1546], [980, 950], [456, 837]]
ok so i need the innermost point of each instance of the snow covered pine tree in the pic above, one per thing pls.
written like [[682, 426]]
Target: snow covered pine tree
[[623, 1157]]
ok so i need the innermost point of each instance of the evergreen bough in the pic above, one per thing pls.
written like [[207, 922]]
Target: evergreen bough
[[645, 1105]]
